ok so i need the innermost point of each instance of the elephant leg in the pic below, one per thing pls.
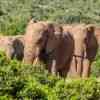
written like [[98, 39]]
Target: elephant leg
[[79, 65], [72, 69], [86, 68]]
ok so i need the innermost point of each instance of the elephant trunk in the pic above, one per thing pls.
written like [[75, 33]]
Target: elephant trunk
[[28, 54], [31, 54]]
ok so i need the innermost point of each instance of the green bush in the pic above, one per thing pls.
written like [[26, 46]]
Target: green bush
[[95, 70], [14, 14], [78, 90], [27, 82]]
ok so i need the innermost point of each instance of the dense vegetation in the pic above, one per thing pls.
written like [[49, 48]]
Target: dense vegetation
[[27, 82], [14, 14]]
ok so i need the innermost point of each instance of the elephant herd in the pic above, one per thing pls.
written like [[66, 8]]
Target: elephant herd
[[67, 49]]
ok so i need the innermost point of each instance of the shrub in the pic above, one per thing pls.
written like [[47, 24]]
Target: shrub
[[95, 70], [25, 82], [14, 14], [77, 90]]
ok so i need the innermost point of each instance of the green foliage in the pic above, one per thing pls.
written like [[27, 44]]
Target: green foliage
[[14, 14], [77, 90], [27, 82], [96, 66]]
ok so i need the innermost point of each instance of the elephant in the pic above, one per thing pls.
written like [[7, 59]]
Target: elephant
[[47, 40], [85, 49], [35, 36], [12, 46], [91, 49], [61, 55]]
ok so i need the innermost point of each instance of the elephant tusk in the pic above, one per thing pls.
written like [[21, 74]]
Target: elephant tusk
[[53, 68], [36, 61]]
